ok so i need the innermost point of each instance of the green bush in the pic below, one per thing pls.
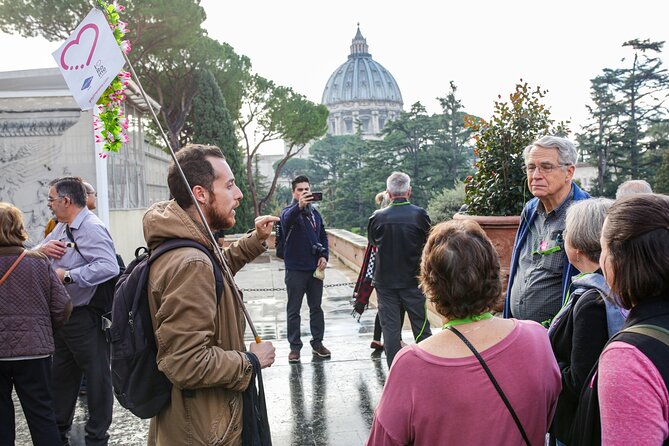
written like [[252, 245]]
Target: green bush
[[499, 186], [446, 203]]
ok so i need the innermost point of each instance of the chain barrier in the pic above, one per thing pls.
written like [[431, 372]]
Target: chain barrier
[[329, 285]]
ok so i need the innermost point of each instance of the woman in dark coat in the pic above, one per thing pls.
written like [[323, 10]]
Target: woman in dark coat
[[580, 330], [33, 303]]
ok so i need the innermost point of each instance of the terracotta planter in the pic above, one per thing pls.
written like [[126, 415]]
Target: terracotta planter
[[502, 232]]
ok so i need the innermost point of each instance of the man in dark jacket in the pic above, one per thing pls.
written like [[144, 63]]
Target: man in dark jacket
[[399, 232], [306, 256]]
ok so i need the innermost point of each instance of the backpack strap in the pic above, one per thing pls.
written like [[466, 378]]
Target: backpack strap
[[290, 231], [653, 343], [175, 243], [653, 331]]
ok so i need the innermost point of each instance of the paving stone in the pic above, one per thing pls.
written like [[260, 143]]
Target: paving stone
[[314, 402]]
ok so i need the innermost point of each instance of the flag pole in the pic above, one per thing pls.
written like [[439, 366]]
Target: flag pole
[[226, 268]]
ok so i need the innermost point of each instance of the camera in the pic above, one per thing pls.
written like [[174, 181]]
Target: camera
[[316, 196], [318, 250]]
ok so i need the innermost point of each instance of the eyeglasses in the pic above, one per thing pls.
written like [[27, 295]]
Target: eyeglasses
[[95, 194], [51, 200], [543, 167]]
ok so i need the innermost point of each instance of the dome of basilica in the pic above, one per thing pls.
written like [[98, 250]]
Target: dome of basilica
[[361, 92], [361, 78]]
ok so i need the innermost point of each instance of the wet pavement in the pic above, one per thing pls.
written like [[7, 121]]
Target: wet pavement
[[314, 402]]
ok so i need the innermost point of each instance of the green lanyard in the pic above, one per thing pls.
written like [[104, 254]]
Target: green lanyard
[[547, 323], [467, 320]]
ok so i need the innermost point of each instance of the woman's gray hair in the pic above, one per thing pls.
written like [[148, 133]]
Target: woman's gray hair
[[567, 154], [398, 183], [584, 222]]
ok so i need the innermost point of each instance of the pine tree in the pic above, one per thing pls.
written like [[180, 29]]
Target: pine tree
[[627, 103], [212, 125]]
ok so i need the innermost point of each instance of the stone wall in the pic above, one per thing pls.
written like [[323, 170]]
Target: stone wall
[[39, 141]]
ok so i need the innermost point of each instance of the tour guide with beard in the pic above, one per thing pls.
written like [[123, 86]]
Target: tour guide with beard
[[201, 344]]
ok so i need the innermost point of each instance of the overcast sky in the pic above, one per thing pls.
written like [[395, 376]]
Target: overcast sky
[[484, 46]]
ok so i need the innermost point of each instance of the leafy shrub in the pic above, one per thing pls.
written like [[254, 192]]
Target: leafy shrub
[[446, 203], [499, 186]]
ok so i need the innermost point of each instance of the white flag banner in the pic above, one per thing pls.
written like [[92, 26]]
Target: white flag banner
[[89, 59]]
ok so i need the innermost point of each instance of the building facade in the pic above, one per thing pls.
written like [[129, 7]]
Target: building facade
[[45, 135]]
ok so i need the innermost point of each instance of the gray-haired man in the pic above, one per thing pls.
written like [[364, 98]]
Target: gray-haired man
[[540, 271], [83, 256], [631, 187], [399, 232]]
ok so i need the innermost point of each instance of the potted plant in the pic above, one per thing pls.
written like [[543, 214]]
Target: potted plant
[[496, 193]]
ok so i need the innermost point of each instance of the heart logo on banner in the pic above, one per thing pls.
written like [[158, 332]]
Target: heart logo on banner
[[77, 49]]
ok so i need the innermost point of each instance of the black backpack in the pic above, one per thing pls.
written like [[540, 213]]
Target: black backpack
[[138, 384], [104, 293], [103, 298], [587, 428], [280, 239]]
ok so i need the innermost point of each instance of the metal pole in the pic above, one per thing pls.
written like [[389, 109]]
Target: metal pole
[[217, 248]]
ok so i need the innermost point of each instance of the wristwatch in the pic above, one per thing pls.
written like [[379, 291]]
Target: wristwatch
[[67, 278]]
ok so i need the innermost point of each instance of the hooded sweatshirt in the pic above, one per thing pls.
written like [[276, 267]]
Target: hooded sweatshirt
[[200, 343]]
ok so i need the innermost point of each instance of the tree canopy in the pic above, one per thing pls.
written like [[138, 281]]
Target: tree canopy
[[169, 48], [498, 186], [626, 134], [272, 112], [212, 124]]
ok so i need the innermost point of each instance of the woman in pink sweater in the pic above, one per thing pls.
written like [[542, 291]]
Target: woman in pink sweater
[[437, 391], [634, 368]]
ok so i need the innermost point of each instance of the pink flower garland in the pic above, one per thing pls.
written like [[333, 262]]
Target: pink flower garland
[[111, 124]]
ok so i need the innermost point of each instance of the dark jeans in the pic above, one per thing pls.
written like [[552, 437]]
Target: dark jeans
[[31, 378], [81, 348], [391, 301], [377, 325], [299, 283]]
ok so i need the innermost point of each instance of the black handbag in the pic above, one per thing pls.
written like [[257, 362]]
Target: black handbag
[[255, 431]]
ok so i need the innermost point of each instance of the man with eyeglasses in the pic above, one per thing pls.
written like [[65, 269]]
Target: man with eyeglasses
[[540, 271], [83, 256], [91, 204]]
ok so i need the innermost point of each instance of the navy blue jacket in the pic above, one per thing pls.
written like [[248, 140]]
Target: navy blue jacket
[[297, 251], [526, 218]]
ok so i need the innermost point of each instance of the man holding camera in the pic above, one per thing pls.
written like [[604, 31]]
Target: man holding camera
[[305, 256]]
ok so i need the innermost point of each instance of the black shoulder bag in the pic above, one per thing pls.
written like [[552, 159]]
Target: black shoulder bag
[[104, 293], [255, 430], [494, 382]]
